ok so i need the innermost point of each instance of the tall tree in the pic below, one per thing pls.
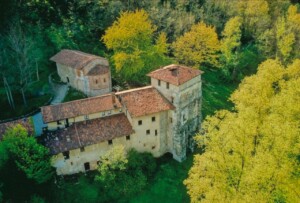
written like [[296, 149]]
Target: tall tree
[[131, 38], [198, 46], [29, 156], [252, 154], [230, 45]]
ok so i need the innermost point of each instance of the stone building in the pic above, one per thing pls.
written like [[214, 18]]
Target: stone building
[[87, 73], [159, 118]]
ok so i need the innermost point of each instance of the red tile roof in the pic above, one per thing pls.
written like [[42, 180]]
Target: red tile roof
[[144, 101], [25, 122], [175, 74], [87, 133], [74, 59], [80, 107]]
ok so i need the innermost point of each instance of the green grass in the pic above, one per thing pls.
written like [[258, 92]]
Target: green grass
[[74, 94]]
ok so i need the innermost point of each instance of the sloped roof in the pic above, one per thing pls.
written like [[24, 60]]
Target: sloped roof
[[87, 133], [98, 70], [79, 107], [144, 101], [175, 74], [25, 122], [74, 59]]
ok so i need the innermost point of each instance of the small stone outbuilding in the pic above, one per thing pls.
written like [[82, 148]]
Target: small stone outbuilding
[[87, 73]]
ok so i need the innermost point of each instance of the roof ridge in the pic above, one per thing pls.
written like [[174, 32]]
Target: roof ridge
[[135, 89]]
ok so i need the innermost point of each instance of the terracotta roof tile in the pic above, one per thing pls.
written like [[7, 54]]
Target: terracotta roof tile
[[144, 101], [74, 59], [175, 74], [80, 107], [25, 122], [98, 70], [87, 133]]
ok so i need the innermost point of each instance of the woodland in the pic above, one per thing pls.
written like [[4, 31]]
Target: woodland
[[248, 148]]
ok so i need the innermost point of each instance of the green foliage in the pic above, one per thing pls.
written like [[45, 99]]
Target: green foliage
[[29, 156], [123, 176], [131, 39], [73, 94], [251, 153], [198, 46]]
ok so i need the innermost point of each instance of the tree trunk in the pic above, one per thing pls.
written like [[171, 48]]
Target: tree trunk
[[9, 94], [24, 97]]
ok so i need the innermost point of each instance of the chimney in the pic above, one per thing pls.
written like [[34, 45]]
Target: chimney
[[113, 97]]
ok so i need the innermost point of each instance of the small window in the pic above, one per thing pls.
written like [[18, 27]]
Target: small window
[[184, 118], [153, 147], [104, 80], [82, 149], [87, 166], [158, 82], [172, 100], [128, 137], [96, 81], [155, 132], [153, 119], [168, 85], [58, 122], [66, 155], [103, 113], [140, 122], [86, 117], [171, 120], [110, 142], [147, 132]]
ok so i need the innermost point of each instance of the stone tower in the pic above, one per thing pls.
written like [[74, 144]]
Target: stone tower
[[182, 87]]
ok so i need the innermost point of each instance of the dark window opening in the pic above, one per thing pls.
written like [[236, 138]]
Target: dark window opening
[[184, 118], [153, 118], [82, 149], [87, 166], [110, 142], [128, 137], [104, 80], [86, 117], [96, 81], [66, 155], [147, 132], [140, 122], [172, 100], [168, 85], [67, 123], [58, 122], [155, 132], [171, 120], [158, 82], [68, 79], [153, 147]]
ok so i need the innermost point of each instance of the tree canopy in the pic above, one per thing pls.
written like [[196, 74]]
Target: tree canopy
[[252, 153], [136, 52], [198, 46]]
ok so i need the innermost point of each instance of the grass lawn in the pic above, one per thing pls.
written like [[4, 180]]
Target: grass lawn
[[167, 186]]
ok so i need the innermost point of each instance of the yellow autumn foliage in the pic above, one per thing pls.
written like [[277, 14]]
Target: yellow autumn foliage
[[252, 154], [199, 45]]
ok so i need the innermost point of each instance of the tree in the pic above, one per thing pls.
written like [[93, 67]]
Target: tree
[[131, 38], [122, 174], [252, 154], [29, 156], [230, 45], [198, 46]]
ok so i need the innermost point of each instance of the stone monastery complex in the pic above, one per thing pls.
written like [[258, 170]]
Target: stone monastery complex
[[159, 118]]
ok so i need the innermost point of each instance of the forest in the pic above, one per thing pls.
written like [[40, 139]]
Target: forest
[[248, 148]]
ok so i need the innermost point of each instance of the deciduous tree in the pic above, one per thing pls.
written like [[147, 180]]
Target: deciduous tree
[[29, 156], [252, 154], [131, 37], [198, 46]]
